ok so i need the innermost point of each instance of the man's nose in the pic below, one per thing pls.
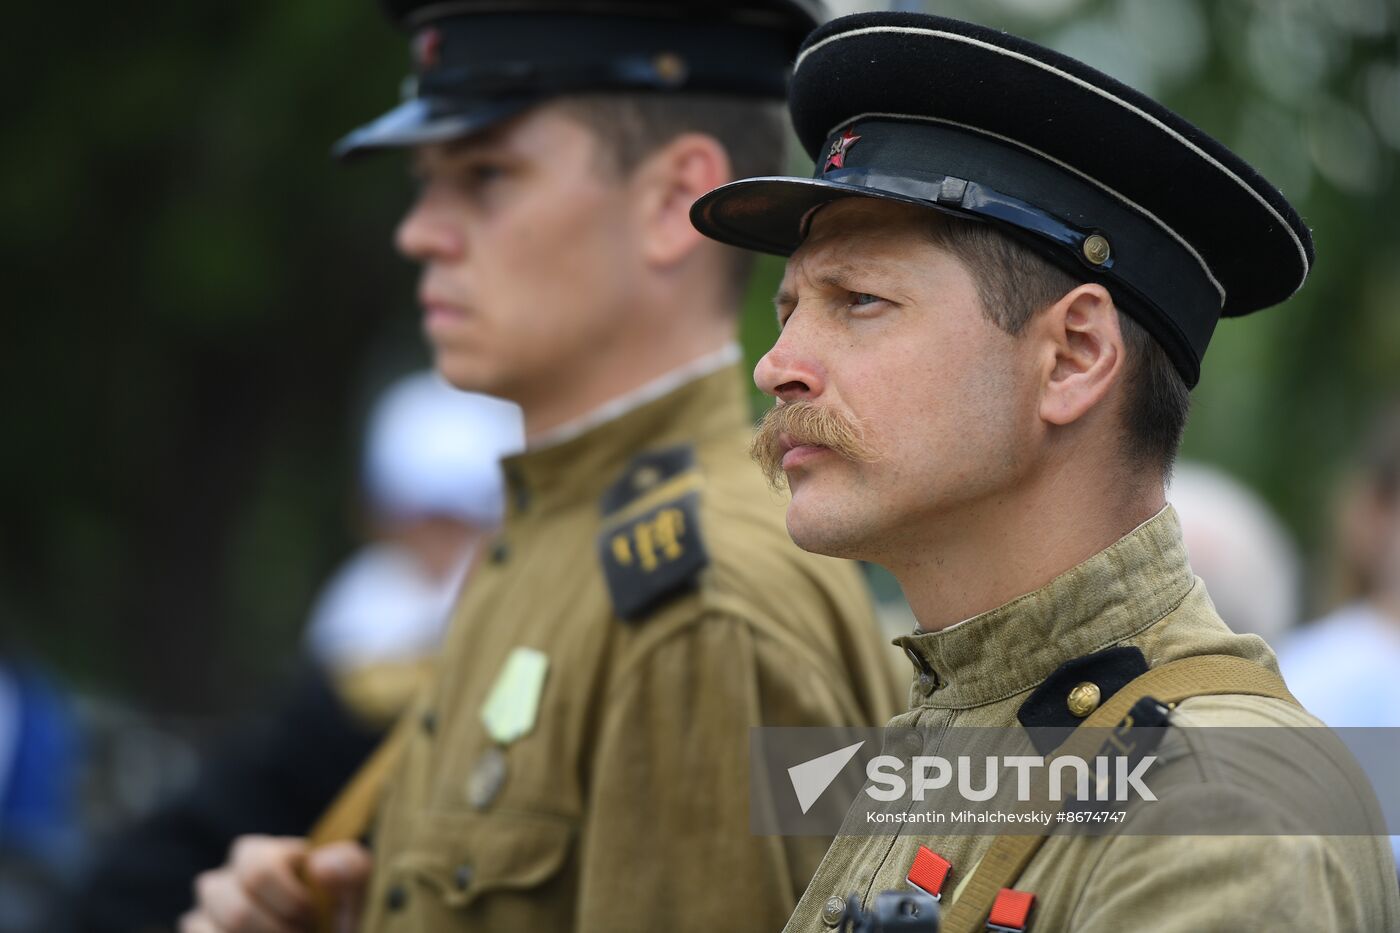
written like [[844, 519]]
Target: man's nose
[[787, 373], [424, 234]]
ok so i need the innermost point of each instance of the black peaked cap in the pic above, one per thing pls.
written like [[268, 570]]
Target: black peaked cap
[[477, 62], [1094, 175]]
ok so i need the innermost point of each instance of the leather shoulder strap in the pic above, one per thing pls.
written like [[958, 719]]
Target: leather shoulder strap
[[1206, 675], [352, 811]]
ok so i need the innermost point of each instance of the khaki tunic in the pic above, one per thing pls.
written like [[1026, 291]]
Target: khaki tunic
[[626, 807], [1138, 592]]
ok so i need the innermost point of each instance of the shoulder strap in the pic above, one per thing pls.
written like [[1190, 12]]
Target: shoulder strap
[[650, 545], [352, 811], [1206, 675]]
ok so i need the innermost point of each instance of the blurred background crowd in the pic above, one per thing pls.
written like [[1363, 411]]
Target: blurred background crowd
[[219, 470]]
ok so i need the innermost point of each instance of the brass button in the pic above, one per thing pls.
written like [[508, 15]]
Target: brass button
[[928, 679], [515, 484], [833, 910], [1084, 699], [670, 68], [1096, 249], [462, 877], [646, 477]]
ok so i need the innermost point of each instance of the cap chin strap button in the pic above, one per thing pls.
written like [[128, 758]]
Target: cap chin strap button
[[952, 191]]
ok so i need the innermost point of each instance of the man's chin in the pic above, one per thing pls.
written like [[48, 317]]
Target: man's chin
[[818, 527], [464, 372]]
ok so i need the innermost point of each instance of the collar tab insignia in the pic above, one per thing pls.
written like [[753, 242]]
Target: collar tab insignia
[[650, 545]]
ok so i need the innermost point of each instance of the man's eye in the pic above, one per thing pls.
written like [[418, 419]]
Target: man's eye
[[477, 176], [864, 298]]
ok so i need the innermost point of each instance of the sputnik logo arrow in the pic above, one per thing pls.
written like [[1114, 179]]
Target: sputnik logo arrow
[[811, 778]]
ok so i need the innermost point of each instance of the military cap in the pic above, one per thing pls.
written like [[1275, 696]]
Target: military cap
[[477, 62], [1093, 175]]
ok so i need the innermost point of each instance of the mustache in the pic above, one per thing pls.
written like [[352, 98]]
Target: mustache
[[803, 423]]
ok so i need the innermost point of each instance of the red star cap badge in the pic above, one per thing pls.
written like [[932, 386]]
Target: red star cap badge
[[836, 158], [427, 47]]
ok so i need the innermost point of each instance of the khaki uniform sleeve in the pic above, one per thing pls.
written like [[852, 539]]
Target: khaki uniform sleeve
[[1191, 883], [667, 844]]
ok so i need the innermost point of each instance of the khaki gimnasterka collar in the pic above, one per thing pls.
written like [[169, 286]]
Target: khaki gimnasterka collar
[[580, 469], [1112, 596]]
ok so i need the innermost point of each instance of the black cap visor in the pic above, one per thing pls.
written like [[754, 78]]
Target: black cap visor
[[771, 214], [421, 121]]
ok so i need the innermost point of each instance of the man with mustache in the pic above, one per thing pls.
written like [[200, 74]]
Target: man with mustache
[[581, 759], [1001, 282]]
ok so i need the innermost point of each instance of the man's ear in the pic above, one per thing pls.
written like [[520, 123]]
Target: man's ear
[[1084, 353], [666, 184]]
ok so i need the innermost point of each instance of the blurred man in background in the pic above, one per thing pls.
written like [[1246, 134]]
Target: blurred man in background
[[1345, 666], [581, 759], [432, 491]]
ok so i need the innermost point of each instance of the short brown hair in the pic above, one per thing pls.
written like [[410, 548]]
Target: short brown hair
[[631, 127], [1015, 283]]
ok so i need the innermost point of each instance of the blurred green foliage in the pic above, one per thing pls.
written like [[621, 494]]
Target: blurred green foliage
[[196, 298], [200, 302]]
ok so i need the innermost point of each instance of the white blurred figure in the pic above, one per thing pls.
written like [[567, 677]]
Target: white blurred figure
[[434, 492], [1241, 550]]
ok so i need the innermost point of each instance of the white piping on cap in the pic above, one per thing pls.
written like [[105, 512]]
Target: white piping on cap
[[942, 34], [1220, 289]]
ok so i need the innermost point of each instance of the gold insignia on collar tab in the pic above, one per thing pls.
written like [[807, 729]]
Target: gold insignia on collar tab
[[657, 539], [1083, 699]]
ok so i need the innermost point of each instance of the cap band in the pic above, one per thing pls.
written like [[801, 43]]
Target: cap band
[[485, 56]]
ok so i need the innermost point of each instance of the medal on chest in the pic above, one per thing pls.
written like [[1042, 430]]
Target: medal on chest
[[508, 713]]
